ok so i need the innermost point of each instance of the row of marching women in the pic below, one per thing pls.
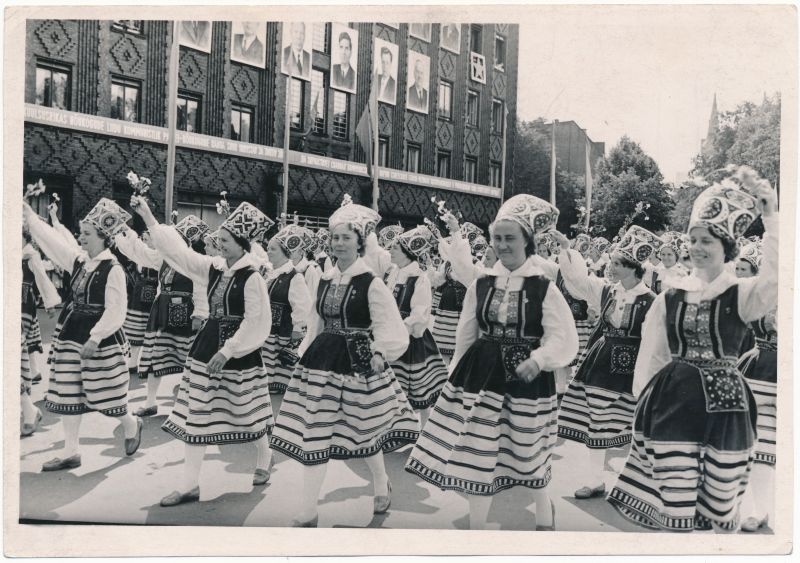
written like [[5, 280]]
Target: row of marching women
[[477, 353]]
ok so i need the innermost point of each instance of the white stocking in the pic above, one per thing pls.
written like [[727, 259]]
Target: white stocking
[[479, 506], [313, 476], [72, 427], [380, 480], [264, 453], [152, 391], [192, 463]]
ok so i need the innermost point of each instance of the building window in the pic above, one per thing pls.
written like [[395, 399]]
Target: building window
[[412, 157], [296, 109], [128, 26], [495, 169], [188, 113], [443, 164], [445, 100], [321, 37], [383, 151], [475, 39], [499, 53], [498, 116], [473, 107], [319, 101], [470, 170], [52, 86], [125, 99], [341, 115], [241, 122]]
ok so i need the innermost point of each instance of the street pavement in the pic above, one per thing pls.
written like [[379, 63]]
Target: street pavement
[[112, 488]]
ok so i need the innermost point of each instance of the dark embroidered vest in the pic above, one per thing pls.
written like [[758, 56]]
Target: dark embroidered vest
[[524, 317], [278, 289], [347, 305], [227, 300], [579, 308], [632, 317], [403, 294]]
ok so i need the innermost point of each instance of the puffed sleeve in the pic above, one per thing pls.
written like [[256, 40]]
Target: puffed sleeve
[[378, 259], [257, 321], [467, 329], [549, 268], [300, 300], [654, 351], [383, 311], [312, 277], [67, 235], [171, 245], [759, 295], [55, 247], [47, 289], [577, 279], [418, 320], [116, 306], [460, 257], [200, 300], [559, 345], [437, 276], [132, 246]]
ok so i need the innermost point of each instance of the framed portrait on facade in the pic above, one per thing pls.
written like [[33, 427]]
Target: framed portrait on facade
[[344, 57], [296, 49], [195, 34], [385, 66], [418, 79], [450, 37], [420, 31], [249, 43], [477, 67]]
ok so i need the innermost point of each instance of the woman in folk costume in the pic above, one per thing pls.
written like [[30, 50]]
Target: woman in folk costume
[[223, 396], [35, 285], [290, 302], [177, 313], [322, 239], [420, 371], [598, 405], [343, 401], [212, 244], [387, 236], [494, 425], [142, 288], [695, 424], [598, 257], [668, 269], [89, 370], [759, 366]]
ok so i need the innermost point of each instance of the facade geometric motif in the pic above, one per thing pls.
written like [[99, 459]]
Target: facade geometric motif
[[417, 45], [192, 74], [126, 56], [496, 148], [414, 127], [447, 65], [501, 28], [315, 188], [384, 119], [444, 135], [499, 85], [244, 86], [385, 33], [55, 38], [399, 200], [472, 141]]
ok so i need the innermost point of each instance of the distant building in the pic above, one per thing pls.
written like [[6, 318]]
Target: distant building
[[571, 143]]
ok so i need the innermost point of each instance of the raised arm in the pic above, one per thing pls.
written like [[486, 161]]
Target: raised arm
[[55, 247], [577, 279], [136, 250], [46, 288]]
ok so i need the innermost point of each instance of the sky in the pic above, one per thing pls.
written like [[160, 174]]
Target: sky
[[652, 72]]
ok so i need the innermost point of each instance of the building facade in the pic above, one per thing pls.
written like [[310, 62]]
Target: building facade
[[571, 144], [97, 98]]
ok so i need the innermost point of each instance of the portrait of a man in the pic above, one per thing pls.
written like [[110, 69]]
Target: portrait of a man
[[296, 55], [450, 38], [385, 55], [195, 34], [345, 57], [248, 43], [420, 31], [418, 80]]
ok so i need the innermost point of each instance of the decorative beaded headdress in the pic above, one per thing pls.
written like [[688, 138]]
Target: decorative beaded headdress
[[388, 235], [638, 244], [418, 241], [533, 214], [107, 217], [247, 222], [362, 219], [192, 228]]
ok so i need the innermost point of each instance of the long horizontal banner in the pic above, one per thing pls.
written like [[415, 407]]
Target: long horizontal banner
[[152, 134]]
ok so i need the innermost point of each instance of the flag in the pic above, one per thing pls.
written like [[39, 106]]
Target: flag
[[314, 115], [364, 131], [588, 181], [553, 166]]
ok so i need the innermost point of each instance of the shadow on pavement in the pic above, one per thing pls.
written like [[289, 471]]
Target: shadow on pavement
[[231, 508]]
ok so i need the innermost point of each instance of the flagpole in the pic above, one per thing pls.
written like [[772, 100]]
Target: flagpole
[[503, 162], [286, 138], [553, 166], [375, 149], [172, 118], [589, 184]]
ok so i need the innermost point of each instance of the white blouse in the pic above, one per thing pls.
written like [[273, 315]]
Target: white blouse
[[145, 257], [558, 346], [757, 297], [419, 318], [63, 253], [47, 289], [387, 340], [376, 258], [311, 274], [299, 297], [257, 321]]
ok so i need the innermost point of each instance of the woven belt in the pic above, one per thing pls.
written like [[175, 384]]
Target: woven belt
[[345, 331], [226, 317], [169, 293], [700, 363], [509, 341], [88, 309], [767, 344]]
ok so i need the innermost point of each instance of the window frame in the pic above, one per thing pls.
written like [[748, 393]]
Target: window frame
[[198, 99], [495, 165], [447, 85], [317, 130], [413, 147], [471, 160], [51, 67], [125, 28], [474, 28], [444, 156], [242, 109], [326, 41], [346, 135], [501, 67], [126, 83], [383, 157], [477, 96], [498, 127]]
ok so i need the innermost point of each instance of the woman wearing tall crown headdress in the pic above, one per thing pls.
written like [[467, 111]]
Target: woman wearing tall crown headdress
[[223, 397], [694, 430], [179, 308], [669, 268], [89, 370], [494, 425], [343, 400], [597, 408]]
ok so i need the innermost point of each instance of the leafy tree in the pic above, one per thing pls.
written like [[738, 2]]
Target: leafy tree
[[532, 158]]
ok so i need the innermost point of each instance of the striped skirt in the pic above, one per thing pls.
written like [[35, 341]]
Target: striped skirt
[[444, 331], [163, 353], [436, 296], [26, 377], [229, 407], [485, 434], [421, 371], [135, 326], [585, 329], [687, 468], [278, 375], [760, 369], [34, 336]]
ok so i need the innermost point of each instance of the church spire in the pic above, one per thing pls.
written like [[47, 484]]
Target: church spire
[[713, 127]]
